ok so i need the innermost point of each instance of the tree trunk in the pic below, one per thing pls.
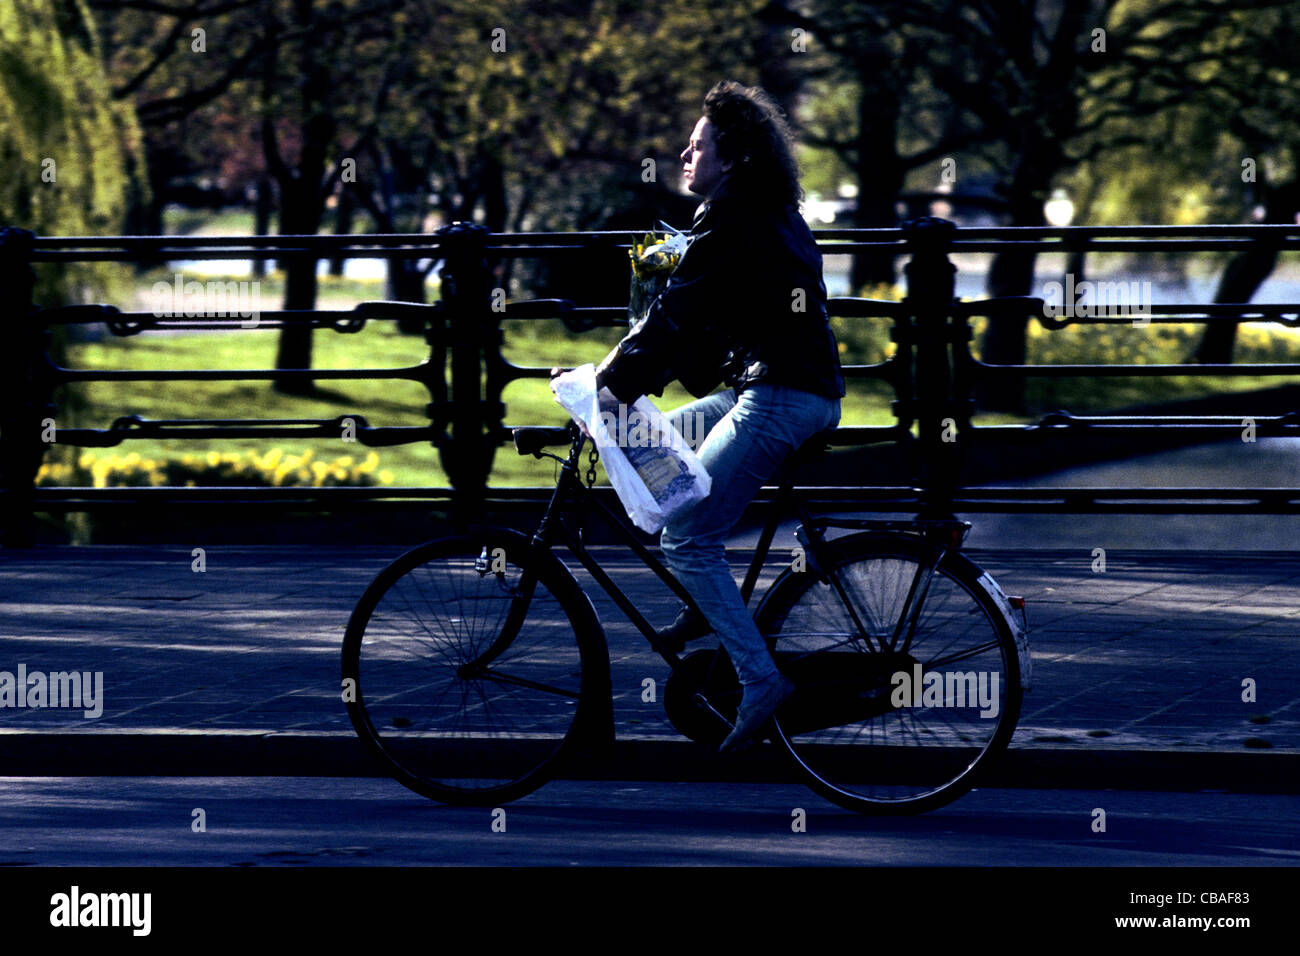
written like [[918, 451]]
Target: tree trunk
[[302, 202], [262, 221], [299, 215], [880, 179], [1012, 273], [496, 211], [405, 281], [343, 216], [1243, 276], [405, 277]]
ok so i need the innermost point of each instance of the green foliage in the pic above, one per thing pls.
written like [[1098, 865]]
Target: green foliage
[[537, 115], [1153, 344], [866, 341], [1129, 344], [71, 155]]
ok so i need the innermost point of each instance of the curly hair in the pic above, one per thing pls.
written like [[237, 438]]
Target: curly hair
[[750, 130]]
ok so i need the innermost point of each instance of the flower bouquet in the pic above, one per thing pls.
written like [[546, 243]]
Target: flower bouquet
[[653, 260]]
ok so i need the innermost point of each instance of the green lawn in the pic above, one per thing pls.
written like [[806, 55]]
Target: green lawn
[[381, 403]]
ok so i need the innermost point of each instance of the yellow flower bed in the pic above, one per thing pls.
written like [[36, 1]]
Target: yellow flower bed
[[274, 468]]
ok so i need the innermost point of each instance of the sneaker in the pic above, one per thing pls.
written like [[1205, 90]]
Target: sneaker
[[757, 705], [688, 626]]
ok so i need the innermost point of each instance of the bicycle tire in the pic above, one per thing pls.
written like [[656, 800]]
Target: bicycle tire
[[471, 685], [857, 747]]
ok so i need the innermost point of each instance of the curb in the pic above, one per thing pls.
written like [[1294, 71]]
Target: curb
[[341, 754]]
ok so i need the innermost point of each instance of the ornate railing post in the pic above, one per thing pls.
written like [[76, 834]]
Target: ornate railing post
[[26, 413], [930, 281], [471, 328]]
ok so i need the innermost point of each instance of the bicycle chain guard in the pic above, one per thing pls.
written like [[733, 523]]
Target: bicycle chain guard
[[833, 690], [698, 675]]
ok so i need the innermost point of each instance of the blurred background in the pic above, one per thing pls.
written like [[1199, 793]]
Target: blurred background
[[238, 117]]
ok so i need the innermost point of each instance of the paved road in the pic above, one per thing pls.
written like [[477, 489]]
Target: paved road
[[290, 821], [1149, 654], [1271, 463]]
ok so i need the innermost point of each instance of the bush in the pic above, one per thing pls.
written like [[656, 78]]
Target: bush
[[866, 341]]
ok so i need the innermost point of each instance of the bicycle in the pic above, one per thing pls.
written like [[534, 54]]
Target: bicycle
[[478, 665]]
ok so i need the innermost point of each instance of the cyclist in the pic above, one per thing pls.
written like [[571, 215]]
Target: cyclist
[[745, 307]]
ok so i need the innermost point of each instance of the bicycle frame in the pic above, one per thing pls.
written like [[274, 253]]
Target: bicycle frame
[[572, 495]]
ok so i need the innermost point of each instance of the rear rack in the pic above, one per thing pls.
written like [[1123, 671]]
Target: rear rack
[[951, 532]]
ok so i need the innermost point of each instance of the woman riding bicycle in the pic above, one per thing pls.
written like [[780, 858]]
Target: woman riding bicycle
[[746, 306]]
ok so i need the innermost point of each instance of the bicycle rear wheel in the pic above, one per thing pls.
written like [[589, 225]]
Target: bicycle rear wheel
[[470, 665], [888, 720]]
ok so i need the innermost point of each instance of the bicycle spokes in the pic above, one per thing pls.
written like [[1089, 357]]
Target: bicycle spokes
[[898, 730]]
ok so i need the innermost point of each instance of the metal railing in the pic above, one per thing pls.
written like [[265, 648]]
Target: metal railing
[[933, 373]]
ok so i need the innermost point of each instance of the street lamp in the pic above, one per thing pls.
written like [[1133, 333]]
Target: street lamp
[[1058, 211]]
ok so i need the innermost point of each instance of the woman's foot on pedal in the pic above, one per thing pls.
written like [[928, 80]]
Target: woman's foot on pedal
[[757, 705], [688, 626]]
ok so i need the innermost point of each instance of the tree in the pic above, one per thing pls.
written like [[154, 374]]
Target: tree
[[528, 115], [72, 156], [307, 102], [1025, 85], [514, 112], [296, 72], [1208, 88], [873, 105]]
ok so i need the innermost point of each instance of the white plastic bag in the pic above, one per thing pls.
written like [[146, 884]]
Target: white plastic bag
[[654, 472]]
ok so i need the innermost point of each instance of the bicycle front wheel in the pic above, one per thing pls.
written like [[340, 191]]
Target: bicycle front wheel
[[470, 665], [892, 719]]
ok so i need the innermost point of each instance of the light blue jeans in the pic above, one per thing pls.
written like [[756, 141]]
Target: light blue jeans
[[741, 442]]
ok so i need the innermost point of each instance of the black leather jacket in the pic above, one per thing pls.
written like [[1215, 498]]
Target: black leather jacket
[[746, 304]]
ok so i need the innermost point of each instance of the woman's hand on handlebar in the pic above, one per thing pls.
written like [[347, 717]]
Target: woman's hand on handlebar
[[557, 371]]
